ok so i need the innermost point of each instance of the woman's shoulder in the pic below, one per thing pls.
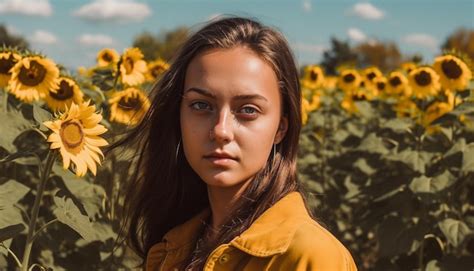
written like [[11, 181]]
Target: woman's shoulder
[[315, 248]]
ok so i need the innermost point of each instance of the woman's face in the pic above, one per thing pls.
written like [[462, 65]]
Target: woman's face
[[230, 115]]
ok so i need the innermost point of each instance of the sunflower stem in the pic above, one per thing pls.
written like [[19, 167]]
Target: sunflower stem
[[42, 228], [36, 206], [17, 261]]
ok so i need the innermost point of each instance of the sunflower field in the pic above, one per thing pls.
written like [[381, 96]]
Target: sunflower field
[[387, 160]]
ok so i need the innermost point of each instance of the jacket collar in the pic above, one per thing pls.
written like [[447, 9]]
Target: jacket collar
[[269, 234]]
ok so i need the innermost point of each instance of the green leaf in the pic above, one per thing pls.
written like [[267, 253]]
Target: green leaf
[[468, 159], [373, 144], [396, 236], [91, 196], [398, 125], [11, 192], [433, 265], [13, 124], [102, 232], [454, 230], [459, 146], [3, 250], [41, 115], [9, 232], [414, 159], [68, 213], [361, 164], [10, 216], [23, 158], [425, 184]]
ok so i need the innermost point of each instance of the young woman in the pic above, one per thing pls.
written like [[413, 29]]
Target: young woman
[[215, 186]]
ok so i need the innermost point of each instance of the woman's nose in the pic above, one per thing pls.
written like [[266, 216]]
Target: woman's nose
[[222, 131]]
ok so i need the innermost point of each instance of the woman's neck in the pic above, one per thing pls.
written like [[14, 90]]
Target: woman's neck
[[222, 202]]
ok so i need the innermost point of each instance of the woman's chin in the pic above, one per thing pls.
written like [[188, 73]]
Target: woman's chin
[[222, 179]]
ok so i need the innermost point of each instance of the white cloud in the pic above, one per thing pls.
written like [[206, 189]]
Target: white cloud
[[43, 37], [356, 34], [310, 48], [422, 40], [307, 6], [367, 11], [26, 7], [114, 10], [95, 40]]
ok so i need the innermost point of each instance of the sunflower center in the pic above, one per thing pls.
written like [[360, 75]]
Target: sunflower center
[[371, 75], [128, 104], [64, 92], [380, 85], [71, 134], [6, 64], [451, 69], [348, 78], [313, 76], [395, 81], [32, 76], [128, 63], [107, 57], [423, 78]]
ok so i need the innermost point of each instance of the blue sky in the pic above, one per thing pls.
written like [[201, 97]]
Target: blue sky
[[72, 31]]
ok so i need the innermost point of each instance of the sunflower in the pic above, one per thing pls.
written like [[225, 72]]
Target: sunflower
[[313, 77], [371, 73], [349, 80], [380, 86], [349, 105], [424, 82], [435, 111], [364, 92], [132, 67], [156, 68], [7, 61], [453, 72], [76, 135], [304, 111], [330, 82], [66, 93], [398, 84], [315, 102], [107, 57], [128, 106], [406, 108], [407, 67], [33, 77]]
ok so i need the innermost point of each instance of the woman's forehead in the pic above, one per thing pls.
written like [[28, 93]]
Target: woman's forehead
[[236, 71]]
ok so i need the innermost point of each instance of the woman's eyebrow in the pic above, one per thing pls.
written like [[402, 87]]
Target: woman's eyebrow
[[201, 91], [237, 97]]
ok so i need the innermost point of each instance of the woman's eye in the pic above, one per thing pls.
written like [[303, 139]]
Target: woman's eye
[[249, 110], [200, 106]]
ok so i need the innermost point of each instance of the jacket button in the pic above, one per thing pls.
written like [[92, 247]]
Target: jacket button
[[224, 258]]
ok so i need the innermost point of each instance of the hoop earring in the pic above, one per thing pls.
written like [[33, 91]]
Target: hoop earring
[[177, 150], [274, 152]]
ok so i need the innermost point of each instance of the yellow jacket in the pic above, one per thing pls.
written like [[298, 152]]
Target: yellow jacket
[[284, 237]]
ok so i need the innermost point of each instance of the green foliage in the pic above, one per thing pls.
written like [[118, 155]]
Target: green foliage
[[398, 195], [163, 45], [11, 40], [83, 206]]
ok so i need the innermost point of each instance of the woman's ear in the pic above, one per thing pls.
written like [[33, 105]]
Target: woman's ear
[[281, 132]]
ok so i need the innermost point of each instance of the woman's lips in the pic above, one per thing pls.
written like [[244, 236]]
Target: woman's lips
[[220, 159]]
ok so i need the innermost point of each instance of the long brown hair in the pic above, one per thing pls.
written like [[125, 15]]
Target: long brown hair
[[164, 191]]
